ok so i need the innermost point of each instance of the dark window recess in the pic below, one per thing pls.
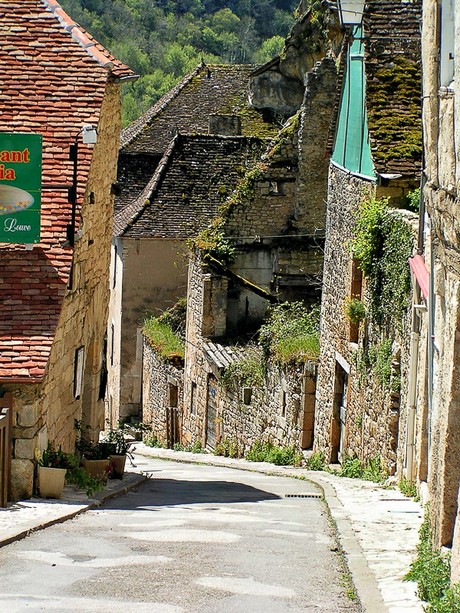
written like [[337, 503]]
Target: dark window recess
[[173, 395]]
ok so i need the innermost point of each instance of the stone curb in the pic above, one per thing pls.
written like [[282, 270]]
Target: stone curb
[[362, 577], [96, 501]]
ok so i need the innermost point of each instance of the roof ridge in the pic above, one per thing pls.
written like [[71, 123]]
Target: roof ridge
[[132, 131], [130, 214], [102, 56]]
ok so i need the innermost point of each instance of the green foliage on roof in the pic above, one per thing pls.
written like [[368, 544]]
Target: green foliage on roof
[[165, 333], [291, 333]]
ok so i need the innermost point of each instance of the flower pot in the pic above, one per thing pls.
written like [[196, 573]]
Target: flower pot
[[51, 481], [98, 469], [118, 466]]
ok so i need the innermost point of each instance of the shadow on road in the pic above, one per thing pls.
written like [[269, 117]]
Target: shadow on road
[[172, 492]]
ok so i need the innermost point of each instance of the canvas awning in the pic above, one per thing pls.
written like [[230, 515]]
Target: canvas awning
[[420, 272]]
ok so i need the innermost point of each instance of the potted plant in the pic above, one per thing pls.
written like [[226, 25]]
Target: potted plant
[[52, 469], [94, 455], [120, 449]]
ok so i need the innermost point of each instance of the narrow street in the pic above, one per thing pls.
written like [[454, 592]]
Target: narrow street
[[192, 538]]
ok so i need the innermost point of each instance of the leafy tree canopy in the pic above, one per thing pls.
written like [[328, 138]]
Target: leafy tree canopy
[[161, 40]]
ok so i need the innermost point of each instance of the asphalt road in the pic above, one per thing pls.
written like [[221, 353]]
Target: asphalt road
[[191, 539]]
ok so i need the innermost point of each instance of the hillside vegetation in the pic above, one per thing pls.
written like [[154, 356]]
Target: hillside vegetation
[[161, 40]]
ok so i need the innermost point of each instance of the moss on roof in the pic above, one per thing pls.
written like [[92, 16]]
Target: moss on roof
[[402, 127]]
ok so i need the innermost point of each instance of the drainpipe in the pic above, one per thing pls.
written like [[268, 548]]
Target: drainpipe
[[414, 348], [410, 438]]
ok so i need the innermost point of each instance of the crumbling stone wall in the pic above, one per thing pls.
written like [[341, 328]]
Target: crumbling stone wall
[[158, 377], [280, 411]]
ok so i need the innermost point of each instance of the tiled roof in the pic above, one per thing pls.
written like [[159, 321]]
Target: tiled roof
[[186, 109], [192, 179], [53, 81], [393, 84]]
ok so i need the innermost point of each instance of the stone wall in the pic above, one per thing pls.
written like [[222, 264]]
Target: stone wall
[[440, 420], [280, 411], [47, 410], [162, 395], [370, 427]]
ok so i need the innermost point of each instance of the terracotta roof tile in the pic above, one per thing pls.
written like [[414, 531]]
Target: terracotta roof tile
[[51, 85]]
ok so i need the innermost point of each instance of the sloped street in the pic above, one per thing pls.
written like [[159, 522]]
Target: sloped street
[[191, 538]]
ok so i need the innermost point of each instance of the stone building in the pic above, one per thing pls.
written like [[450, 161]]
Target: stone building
[[212, 100], [53, 309], [263, 245], [363, 370], [436, 356]]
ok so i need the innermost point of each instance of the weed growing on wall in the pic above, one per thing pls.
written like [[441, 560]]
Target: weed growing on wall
[[291, 333], [247, 371], [165, 333]]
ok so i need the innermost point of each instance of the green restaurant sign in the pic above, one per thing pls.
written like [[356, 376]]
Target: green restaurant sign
[[20, 187]]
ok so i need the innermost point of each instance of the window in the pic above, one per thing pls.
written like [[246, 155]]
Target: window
[[78, 372], [112, 343], [356, 291], [115, 258], [247, 395], [192, 398], [173, 392], [447, 43], [283, 396]]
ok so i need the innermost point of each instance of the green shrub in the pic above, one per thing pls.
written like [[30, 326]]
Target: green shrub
[[247, 371], [228, 448], [355, 310], [267, 452], [317, 461], [371, 470], [431, 571], [408, 488], [152, 440]]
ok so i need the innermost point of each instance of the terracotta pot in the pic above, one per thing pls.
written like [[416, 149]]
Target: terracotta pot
[[118, 466], [97, 468], [51, 481]]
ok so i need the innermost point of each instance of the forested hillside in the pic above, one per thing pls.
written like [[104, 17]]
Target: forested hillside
[[164, 39]]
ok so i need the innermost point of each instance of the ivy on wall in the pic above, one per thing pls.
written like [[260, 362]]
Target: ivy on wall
[[382, 245]]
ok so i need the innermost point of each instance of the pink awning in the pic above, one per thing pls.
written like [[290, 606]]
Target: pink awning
[[420, 271]]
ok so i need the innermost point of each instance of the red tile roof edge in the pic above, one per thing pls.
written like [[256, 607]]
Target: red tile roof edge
[[21, 380], [89, 44]]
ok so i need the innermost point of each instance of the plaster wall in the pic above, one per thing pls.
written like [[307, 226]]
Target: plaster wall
[[154, 278]]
